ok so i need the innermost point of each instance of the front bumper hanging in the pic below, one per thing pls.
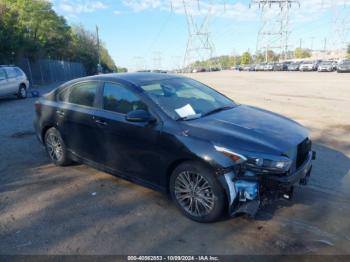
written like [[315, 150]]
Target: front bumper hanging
[[247, 194]]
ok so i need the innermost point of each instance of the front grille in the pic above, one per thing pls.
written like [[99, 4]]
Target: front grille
[[303, 150]]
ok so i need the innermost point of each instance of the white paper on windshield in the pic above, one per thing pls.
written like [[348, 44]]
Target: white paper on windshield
[[185, 111]]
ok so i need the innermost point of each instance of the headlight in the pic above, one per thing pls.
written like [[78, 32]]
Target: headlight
[[236, 157], [262, 165]]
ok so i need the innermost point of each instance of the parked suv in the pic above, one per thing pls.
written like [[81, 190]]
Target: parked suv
[[13, 81]]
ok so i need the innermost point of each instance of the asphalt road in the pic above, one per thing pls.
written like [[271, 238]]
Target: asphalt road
[[46, 209]]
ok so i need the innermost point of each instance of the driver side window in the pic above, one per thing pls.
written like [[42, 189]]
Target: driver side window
[[118, 98]]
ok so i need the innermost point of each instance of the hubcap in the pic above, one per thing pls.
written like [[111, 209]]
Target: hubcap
[[194, 194], [54, 147]]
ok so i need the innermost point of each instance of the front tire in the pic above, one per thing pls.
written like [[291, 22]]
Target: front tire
[[56, 147], [22, 92], [197, 193]]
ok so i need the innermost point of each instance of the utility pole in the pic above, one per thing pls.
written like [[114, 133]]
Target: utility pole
[[312, 42], [340, 29], [300, 43], [157, 61], [99, 68], [274, 31]]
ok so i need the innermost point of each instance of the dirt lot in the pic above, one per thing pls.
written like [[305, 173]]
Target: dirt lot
[[78, 210]]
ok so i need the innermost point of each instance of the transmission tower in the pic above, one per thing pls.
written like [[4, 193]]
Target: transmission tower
[[139, 63], [340, 28], [157, 60], [199, 44], [274, 31]]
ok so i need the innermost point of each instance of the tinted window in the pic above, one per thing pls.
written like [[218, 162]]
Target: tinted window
[[11, 73], [2, 74], [83, 94], [118, 98]]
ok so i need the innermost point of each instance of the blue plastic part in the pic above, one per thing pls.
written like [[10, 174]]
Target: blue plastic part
[[35, 93], [247, 190]]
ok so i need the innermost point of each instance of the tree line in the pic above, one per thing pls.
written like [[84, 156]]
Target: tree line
[[32, 29], [227, 61]]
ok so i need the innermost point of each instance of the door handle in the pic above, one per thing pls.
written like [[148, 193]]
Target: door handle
[[60, 113], [100, 122]]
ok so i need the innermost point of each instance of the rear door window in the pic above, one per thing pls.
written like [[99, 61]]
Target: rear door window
[[82, 94]]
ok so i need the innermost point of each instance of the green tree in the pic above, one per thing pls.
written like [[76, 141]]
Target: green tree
[[302, 53], [10, 37], [246, 58], [348, 51], [270, 56], [33, 29]]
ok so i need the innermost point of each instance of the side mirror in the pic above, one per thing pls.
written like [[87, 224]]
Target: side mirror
[[139, 115]]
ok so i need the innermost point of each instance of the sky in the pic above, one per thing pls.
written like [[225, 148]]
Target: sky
[[153, 33]]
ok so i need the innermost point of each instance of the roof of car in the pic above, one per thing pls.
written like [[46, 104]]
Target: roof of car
[[7, 65], [135, 78]]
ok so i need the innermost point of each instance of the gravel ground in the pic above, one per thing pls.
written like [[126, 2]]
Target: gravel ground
[[78, 210]]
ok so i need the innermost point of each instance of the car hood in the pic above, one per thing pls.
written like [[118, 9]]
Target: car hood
[[248, 128]]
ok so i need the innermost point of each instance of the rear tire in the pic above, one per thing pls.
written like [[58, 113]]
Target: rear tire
[[56, 147], [197, 193], [22, 92]]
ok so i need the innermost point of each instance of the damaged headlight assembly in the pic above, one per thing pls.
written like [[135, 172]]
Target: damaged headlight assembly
[[263, 164]]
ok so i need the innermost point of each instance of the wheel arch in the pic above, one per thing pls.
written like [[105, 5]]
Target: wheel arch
[[22, 84], [180, 161], [44, 130]]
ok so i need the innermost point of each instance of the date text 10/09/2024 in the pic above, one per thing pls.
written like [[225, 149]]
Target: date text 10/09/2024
[[173, 258]]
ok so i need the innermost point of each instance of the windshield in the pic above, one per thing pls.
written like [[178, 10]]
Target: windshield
[[183, 98], [326, 63], [347, 62]]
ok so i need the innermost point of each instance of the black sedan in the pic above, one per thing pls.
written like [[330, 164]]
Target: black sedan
[[176, 135]]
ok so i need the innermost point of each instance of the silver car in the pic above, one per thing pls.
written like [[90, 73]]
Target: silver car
[[13, 81], [326, 66]]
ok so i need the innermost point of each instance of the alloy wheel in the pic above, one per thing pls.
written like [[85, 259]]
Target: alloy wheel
[[194, 193], [54, 147]]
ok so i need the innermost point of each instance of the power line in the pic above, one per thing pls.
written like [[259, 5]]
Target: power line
[[274, 30], [199, 43], [340, 28]]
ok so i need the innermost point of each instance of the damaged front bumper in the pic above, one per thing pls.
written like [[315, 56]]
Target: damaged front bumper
[[247, 193]]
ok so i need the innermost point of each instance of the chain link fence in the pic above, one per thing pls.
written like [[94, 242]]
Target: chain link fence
[[46, 71]]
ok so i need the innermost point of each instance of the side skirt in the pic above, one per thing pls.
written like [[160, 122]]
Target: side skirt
[[116, 173]]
